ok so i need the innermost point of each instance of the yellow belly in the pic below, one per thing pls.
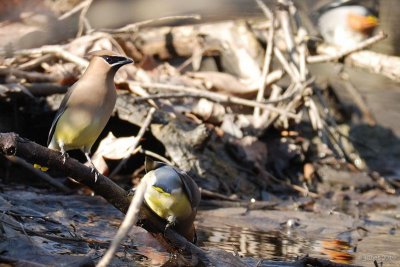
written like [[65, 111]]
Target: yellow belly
[[77, 131], [167, 206]]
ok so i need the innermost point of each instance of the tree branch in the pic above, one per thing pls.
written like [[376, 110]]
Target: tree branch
[[13, 145]]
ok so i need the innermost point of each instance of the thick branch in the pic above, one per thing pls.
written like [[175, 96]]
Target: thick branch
[[13, 145], [373, 62]]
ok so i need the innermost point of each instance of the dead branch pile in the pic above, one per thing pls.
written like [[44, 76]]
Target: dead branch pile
[[218, 76]]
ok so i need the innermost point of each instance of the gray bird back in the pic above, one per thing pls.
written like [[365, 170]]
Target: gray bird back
[[61, 109]]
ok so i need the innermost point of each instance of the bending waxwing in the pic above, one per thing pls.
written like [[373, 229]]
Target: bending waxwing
[[87, 106], [346, 25], [172, 195]]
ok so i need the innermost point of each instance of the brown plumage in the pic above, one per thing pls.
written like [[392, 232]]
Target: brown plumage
[[87, 106]]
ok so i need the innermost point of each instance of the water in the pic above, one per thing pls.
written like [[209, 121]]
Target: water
[[273, 245]]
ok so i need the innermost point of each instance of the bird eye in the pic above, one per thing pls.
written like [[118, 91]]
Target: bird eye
[[106, 58], [114, 60]]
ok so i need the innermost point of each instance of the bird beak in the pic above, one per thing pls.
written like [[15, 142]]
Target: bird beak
[[362, 23], [122, 61], [126, 61]]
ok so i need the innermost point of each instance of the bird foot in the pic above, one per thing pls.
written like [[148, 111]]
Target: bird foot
[[65, 156], [171, 220], [96, 173], [92, 167]]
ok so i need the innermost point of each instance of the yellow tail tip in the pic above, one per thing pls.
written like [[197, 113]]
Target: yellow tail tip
[[42, 168]]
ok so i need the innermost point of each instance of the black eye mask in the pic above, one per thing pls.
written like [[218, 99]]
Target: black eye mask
[[113, 59]]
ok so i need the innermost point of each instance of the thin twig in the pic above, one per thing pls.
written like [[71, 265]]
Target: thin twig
[[367, 116], [139, 136], [135, 26], [83, 21], [129, 220], [187, 62], [329, 122], [267, 12], [210, 194], [114, 42], [73, 11], [285, 64], [45, 89], [301, 48], [138, 90], [296, 101], [267, 59], [325, 58], [30, 76], [382, 183], [26, 235], [35, 62], [284, 19], [156, 156], [336, 144], [293, 186], [212, 96], [17, 214], [185, 95], [275, 92], [56, 50], [315, 118], [27, 232]]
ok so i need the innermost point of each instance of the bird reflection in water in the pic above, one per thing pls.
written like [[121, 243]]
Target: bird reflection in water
[[273, 245]]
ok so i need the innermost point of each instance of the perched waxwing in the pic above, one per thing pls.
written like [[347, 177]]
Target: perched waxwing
[[87, 106], [345, 25], [173, 196]]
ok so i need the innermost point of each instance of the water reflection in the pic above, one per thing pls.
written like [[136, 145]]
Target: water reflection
[[273, 245], [336, 250]]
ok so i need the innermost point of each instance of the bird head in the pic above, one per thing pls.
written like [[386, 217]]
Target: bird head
[[107, 60]]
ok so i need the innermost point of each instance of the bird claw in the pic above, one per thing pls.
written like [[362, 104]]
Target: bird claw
[[170, 223], [96, 173], [65, 156], [92, 167]]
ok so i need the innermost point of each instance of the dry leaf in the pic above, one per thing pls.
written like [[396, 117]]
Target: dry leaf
[[115, 148], [112, 148], [308, 172], [209, 111]]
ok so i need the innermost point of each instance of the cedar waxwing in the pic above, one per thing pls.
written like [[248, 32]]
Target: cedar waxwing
[[173, 196], [87, 106], [346, 25]]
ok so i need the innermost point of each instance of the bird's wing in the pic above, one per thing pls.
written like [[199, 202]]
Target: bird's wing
[[191, 188], [61, 109]]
